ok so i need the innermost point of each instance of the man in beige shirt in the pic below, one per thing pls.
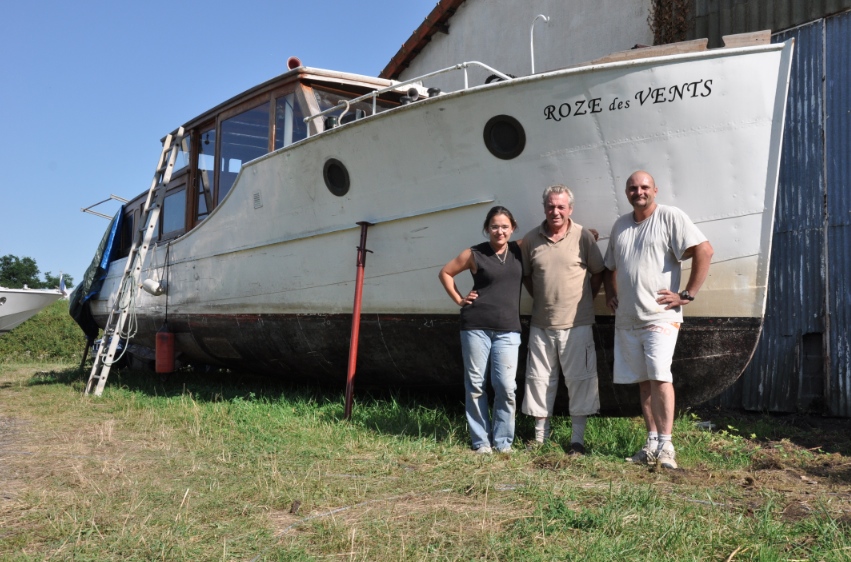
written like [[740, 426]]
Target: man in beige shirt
[[564, 270]]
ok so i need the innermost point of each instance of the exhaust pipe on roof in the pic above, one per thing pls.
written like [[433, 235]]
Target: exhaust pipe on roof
[[293, 62]]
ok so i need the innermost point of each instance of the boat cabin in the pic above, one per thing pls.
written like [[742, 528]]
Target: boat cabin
[[263, 119]]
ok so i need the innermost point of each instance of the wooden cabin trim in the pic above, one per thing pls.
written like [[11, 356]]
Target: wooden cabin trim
[[306, 96], [747, 39], [694, 46]]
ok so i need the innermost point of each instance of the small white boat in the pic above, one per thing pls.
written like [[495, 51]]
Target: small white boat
[[256, 247], [18, 305]]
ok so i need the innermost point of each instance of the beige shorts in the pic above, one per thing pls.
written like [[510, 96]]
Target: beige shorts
[[572, 350], [645, 354]]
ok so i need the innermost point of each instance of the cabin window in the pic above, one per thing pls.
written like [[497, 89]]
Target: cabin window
[[174, 211], [206, 173], [289, 121], [244, 138]]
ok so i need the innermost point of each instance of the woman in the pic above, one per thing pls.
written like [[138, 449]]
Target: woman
[[490, 329]]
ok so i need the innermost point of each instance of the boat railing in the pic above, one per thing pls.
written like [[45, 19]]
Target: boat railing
[[376, 93]]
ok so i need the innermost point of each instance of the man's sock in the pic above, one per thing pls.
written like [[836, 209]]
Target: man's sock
[[542, 429], [652, 440], [664, 439], [578, 424]]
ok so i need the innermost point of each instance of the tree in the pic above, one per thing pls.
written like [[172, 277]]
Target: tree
[[52, 281], [16, 272]]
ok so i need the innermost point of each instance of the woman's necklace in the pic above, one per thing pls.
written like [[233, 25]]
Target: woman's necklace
[[503, 257]]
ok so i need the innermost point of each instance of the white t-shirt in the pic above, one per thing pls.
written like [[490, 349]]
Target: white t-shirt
[[647, 257]]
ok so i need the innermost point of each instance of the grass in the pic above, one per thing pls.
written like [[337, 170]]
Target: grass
[[227, 466]]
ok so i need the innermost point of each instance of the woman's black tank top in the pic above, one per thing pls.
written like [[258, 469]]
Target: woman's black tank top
[[498, 284]]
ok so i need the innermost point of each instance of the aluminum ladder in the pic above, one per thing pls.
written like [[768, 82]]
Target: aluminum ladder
[[121, 308]]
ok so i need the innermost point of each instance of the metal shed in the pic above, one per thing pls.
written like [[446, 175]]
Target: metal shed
[[802, 362], [716, 18]]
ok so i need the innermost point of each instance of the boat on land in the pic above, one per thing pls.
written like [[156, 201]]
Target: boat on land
[[19, 305], [256, 248]]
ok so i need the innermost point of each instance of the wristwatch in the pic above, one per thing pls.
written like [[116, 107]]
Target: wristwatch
[[686, 297]]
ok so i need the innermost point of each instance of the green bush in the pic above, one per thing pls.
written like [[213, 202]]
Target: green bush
[[49, 336]]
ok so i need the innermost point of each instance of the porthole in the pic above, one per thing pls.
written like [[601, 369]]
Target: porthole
[[336, 177], [504, 137]]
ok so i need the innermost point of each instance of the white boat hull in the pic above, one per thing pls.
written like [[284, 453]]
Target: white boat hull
[[275, 262], [19, 305]]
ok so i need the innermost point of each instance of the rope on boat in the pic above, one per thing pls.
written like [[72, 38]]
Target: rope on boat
[[127, 301]]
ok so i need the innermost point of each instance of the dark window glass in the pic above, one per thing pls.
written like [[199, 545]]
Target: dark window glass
[[174, 211], [244, 138], [127, 233]]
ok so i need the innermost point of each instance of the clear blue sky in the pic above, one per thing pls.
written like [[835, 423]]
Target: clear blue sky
[[90, 88]]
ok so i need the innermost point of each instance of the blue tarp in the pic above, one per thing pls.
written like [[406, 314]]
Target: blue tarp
[[90, 286]]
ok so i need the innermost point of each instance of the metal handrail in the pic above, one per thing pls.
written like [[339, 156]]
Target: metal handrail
[[110, 198], [532, 38], [375, 93]]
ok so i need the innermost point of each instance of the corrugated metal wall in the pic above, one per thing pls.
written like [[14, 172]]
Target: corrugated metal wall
[[715, 18], [838, 148], [773, 380], [802, 360]]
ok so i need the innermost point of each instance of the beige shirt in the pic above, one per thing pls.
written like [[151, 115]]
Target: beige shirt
[[561, 276]]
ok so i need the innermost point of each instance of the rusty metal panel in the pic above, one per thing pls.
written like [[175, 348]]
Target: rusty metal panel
[[795, 304], [838, 165], [716, 18]]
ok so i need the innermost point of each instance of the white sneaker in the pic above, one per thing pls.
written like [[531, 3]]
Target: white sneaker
[[647, 454], [483, 450], [665, 458]]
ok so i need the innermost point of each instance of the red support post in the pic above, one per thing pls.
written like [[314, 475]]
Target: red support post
[[353, 345]]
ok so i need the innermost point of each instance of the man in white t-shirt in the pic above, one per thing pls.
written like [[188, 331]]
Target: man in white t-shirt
[[642, 284]]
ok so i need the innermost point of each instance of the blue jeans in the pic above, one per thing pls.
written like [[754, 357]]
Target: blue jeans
[[497, 351]]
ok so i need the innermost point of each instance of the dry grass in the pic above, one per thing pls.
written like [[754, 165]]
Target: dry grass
[[207, 470]]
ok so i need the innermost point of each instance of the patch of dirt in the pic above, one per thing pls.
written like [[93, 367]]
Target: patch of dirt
[[795, 511], [405, 510], [551, 461]]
